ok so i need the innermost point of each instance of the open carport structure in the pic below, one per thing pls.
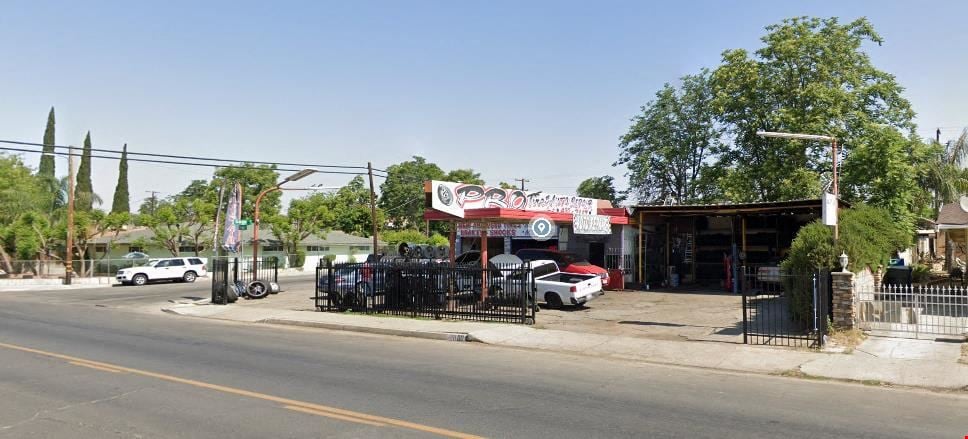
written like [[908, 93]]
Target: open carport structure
[[699, 244]]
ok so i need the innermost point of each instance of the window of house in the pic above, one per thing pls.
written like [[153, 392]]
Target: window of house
[[135, 248], [100, 248], [272, 248], [187, 249], [365, 248], [317, 248]]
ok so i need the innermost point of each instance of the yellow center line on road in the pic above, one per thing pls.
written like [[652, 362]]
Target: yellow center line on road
[[334, 416], [94, 366], [317, 409]]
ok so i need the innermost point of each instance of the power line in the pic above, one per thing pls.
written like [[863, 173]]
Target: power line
[[208, 165], [145, 154]]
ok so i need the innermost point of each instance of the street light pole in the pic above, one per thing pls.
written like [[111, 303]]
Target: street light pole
[[833, 156], [258, 201]]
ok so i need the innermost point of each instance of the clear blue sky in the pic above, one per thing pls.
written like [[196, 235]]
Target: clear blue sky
[[535, 89]]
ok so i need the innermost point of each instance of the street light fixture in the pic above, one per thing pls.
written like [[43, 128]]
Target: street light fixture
[[258, 200], [833, 155]]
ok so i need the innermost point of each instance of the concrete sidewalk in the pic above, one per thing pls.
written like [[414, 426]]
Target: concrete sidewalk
[[887, 361]]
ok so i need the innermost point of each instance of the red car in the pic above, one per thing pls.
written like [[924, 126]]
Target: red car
[[567, 262]]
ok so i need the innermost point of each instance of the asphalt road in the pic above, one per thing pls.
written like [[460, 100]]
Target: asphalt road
[[129, 296], [93, 369]]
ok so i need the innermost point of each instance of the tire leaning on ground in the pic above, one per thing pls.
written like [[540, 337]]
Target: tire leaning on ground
[[139, 279], [257, 289], [189, 276], [553, 300]]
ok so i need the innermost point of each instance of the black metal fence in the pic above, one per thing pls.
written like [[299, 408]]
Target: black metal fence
[[428, 289], [236, 277], [786, 309]]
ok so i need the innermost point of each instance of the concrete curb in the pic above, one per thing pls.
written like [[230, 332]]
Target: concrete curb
[[445, 336]]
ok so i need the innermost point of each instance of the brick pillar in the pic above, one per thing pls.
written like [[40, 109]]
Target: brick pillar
[[844, 311]]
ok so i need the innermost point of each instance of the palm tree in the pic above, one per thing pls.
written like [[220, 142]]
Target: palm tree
[[945, 176]]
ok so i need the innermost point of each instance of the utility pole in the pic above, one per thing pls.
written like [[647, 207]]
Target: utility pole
[[369, 170], [69, 264], [523, 181], [154, 200]]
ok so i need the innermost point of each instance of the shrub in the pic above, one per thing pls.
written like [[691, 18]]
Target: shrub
[[329, 258], [867, 234], [921, 273], [297, 259]]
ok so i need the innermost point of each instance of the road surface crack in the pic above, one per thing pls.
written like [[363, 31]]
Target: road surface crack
[[44, 412]]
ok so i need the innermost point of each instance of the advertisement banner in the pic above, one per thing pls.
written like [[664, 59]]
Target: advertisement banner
[[232, 237], [829, 209], [592, 225], [454, 198]]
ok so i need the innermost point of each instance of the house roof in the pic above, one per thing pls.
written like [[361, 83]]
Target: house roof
[[334, 237], [952, 214]]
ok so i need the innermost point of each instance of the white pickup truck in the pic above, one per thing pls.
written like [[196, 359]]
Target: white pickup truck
[[180, 269], [551, 285]]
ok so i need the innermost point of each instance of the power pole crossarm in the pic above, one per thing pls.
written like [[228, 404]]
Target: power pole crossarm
[[523, 181]]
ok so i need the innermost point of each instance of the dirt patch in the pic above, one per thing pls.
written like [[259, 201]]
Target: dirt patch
[[848, 339]]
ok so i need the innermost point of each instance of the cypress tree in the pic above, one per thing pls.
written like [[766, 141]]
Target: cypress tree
[[84, 191], [46, 170], [121, 202]]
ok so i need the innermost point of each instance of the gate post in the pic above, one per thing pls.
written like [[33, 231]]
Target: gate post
[[742, 287], [844, 313]]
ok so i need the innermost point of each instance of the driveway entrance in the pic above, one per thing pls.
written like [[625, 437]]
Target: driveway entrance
[[701, 315]]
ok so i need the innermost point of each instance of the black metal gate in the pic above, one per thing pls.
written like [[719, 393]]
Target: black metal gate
[[428, 289], [231, 276], [785, 309]]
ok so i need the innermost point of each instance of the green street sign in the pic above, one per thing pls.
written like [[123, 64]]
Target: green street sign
[[243, 226], [243, 222]]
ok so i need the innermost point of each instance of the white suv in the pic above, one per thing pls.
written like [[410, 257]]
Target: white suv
[[180, 269]]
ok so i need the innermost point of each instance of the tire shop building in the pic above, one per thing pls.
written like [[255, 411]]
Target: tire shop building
[[495, 221]]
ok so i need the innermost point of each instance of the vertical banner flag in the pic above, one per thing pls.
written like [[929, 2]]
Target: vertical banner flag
[[233, 236]]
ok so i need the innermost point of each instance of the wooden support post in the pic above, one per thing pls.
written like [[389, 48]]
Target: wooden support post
[[453, 242], [484, 261], [641, 263], [743, 223]]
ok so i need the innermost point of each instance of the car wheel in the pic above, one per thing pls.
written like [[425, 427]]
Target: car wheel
[[257, 289], [189, 276], [553, 300], [139, 279]]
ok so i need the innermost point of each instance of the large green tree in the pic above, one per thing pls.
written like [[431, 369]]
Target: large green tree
[[84, 190], [121, 198], [254, 179], [669, 147], [401, 194], [812, 76], [602, 188], [21, 193], [47, 159], [464, 176]]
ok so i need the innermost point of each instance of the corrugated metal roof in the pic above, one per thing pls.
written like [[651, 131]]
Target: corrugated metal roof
[[803, 204]]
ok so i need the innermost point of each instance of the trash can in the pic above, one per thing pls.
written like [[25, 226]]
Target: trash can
[[616, 279]]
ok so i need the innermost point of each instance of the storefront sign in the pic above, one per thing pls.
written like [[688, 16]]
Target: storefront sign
[[592, 225], [494, 230], [454, 198]]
